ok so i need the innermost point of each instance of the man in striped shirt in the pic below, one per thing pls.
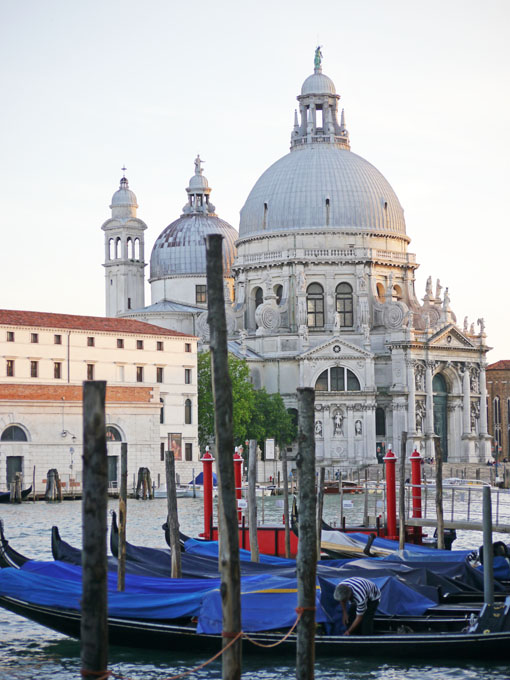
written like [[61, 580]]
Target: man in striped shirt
[[363, 597]]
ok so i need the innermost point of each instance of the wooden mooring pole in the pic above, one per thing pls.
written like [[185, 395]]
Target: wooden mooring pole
[[439, 493], [94, 607], [173, 519], [402, 493], [320, 508], [286, 514], [227, 507], [121, 571], [307, 545]]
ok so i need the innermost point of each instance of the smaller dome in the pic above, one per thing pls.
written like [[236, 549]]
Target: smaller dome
[[318, 83], [124, 196], [198, 182]]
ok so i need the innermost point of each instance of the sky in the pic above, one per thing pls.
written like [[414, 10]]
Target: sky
[[88, 87]]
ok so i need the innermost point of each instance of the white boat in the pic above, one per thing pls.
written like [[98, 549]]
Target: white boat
[[181, 492]]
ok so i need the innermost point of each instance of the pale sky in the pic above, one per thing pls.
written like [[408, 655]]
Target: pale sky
[[87, 87]]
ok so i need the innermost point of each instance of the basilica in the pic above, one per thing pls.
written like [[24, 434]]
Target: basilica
[[320, 292]]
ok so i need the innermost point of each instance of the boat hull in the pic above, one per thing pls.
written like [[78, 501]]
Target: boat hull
[[174, 637]]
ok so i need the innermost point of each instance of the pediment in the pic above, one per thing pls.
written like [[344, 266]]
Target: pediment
[[450, 336], [336, 348]]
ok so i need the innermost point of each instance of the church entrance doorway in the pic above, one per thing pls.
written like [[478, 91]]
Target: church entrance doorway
[[440, 391]]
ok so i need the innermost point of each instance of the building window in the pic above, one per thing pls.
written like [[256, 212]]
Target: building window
[[139, 374], [120, 343], [13, 433], [187, 412], [161, 411], [162, 451], [187, 376], [57, 370], [34, 337], [344, 305], [187, 346], [139, 344], [129, 303], [201, 294], [159, 374], [337, 379], [90, 342], [10, 368], [159, 346], [380, 422], [188, 451], [10, 336], [57, 339], [113, 434], [315, 305], [34, 369], [90, 371], [259, 297]]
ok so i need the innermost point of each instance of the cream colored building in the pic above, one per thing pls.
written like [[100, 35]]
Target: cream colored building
[[151, 376]]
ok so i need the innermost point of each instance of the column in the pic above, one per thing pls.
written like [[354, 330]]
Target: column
[[429, 403], [466, 401], [350, 433], [411, 399], [483, 401]]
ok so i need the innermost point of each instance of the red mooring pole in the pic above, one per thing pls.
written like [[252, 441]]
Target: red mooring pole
[[238, 477], [391, 496], [207, 461], [416, 459]]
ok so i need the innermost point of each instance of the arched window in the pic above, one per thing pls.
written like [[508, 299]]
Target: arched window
[[187, 412], [13, 433], [112, 434], [344, 305], [337, 379], [129, 244], [259, 297], [117, 248], [381, 294], [162, 411], [380, 422], [136, 253], [397, 293], [315, 305], [111, 249]]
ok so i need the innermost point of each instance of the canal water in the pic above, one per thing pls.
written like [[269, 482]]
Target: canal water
[[28, 650]]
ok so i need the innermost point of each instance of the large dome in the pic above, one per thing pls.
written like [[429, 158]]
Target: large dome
[[321, 186], [180, 249]]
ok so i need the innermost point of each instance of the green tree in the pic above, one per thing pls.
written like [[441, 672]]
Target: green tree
[[271, 420], [243, 398]]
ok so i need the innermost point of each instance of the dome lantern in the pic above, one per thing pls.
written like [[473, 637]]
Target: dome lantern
[[318, 108], [123, 200], [198, 193]]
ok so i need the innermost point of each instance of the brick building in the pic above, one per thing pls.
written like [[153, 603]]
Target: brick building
[[151, 394], [498, 395]]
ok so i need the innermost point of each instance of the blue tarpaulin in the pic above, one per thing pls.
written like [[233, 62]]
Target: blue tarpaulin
[[210, 549]]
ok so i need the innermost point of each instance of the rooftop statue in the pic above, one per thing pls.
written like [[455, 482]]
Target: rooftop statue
[[198, 165], [318, 58]]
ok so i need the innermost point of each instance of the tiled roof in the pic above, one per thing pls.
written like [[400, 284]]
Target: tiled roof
[[14, 317], [502, 365]]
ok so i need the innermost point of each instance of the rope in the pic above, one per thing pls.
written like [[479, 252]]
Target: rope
[[103, 675]]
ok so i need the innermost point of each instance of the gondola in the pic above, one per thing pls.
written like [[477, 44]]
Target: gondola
[[178, 637], [5, 496]]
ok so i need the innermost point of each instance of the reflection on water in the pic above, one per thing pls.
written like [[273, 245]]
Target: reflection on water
[[28, 650]]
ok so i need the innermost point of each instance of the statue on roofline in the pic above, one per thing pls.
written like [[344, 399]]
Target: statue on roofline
[[318, 58]]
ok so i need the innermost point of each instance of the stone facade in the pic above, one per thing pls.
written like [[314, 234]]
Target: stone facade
[[498, 402], [44, 358]]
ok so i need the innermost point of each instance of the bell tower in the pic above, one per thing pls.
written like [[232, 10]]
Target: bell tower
[[124, 254]]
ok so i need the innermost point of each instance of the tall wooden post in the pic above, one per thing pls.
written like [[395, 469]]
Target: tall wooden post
[[252, 500], [390, 461], [286, 502], [173, 520], [222, 395], [307, 545], [94, 606], [488, 556], [439, 493], [121, 573]]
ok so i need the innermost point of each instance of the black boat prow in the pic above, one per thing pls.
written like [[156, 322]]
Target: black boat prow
[[8, 556], [5, 496], [62, 551]]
